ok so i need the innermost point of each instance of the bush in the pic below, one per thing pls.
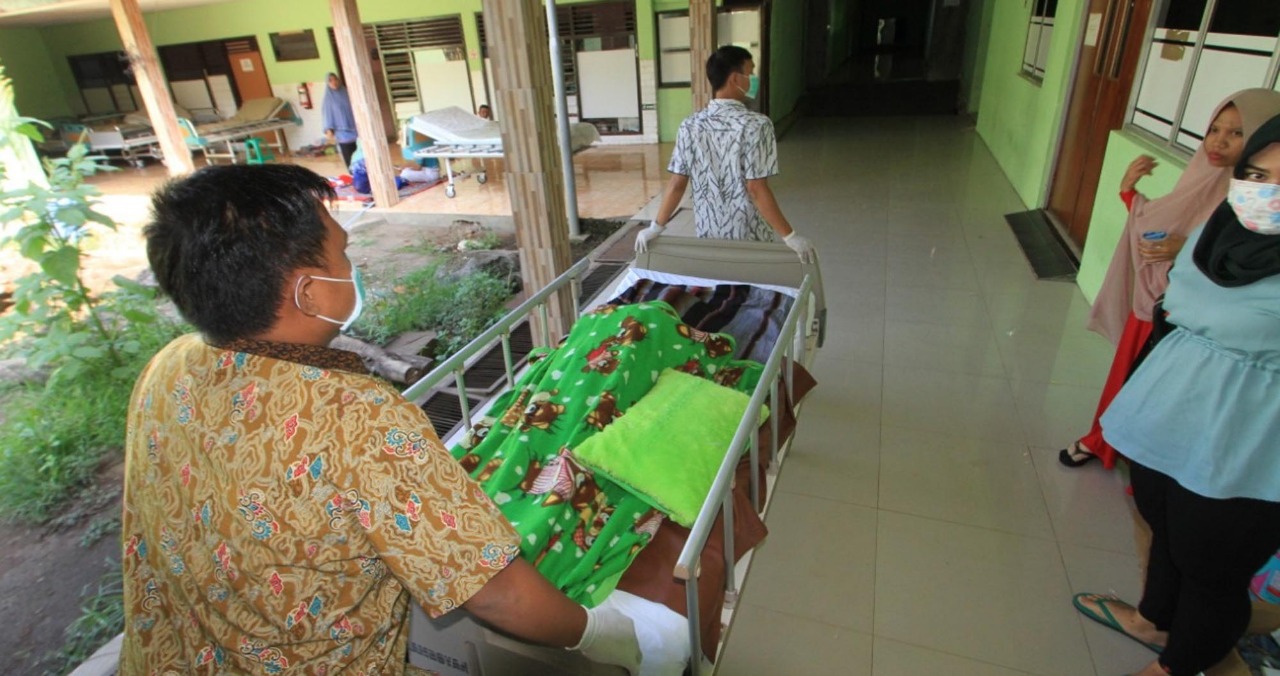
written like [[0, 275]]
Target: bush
[[92, 345], [458, 310]]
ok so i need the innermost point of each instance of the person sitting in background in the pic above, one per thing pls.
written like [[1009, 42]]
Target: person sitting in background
[[1199, 422], [1139, 270], [485, 111], [283, 507], [338, 119]]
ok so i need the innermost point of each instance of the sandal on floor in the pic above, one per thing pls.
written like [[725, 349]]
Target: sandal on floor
[[1075, 455], [1107, 619]]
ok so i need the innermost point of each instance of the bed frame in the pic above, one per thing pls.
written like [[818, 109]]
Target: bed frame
[[459, 645]]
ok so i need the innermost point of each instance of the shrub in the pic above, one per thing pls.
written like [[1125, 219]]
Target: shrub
[[92, 345]]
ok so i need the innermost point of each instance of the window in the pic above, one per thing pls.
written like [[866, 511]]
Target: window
[[733, 27], [295, 45], [1039, 36], [105, 81], [1200, 52]]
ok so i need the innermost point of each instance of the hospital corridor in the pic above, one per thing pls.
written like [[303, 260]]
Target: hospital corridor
[[922, 523]]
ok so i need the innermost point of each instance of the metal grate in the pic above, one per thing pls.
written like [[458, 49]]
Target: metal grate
[[445, 412], [490, 371], [596, 280]]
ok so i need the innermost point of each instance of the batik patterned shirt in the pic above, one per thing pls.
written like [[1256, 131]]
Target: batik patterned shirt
[[282, 507], [720, 148]]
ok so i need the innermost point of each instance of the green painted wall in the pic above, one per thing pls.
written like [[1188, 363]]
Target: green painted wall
[[674, 104], [977, 39], [786, 57], [26, 61], [1109, 212], [1020, 119]]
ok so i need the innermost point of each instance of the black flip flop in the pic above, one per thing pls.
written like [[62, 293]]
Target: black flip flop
[[1075, 456]]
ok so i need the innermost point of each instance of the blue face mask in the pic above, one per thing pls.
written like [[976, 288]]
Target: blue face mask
[[356, 280], [754, 88]]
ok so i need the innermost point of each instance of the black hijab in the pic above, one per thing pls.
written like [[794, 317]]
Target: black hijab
[[1229, 253]]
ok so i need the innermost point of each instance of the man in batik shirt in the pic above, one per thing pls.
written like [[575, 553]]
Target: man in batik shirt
[[728, 153], [282, 506]]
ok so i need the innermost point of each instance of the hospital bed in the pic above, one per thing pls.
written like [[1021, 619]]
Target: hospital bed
[[457, 134], [221, 140], [455, 644]]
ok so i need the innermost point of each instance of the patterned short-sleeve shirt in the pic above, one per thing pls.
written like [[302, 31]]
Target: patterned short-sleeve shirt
[[282, 508], [720, 148]]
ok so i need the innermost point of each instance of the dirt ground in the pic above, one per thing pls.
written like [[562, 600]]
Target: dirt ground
[[44, 572]]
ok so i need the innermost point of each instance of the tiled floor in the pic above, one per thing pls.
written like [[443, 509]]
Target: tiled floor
[[612, 181], [922, 524]]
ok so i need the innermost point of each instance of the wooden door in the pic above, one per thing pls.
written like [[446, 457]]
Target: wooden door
[[1110, 48], [250, 76]]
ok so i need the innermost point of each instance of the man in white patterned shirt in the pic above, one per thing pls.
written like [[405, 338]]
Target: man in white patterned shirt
[[728, 153]]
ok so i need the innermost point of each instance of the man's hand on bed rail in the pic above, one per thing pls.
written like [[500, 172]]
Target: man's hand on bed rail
[[522, 603], [801, 245], [643, 237]]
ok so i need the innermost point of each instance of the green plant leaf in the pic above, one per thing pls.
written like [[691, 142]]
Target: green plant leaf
[[88, 352], [62, 264], [30, 131]]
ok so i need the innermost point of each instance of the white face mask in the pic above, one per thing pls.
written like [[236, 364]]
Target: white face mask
[[355, 280], [1257, 205]]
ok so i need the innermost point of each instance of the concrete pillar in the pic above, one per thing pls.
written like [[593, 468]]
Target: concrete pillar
[[152, 85], [518, 46], [702, 42], [357, 74]]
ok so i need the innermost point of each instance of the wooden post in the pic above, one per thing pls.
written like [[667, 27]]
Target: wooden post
[[358, 77], [517, 37], [702, 42], [151, 84]]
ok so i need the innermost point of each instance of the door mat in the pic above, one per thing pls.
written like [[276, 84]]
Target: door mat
[[1048, 254]]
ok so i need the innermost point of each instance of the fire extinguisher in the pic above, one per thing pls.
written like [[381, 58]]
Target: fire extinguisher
[[304, 95]]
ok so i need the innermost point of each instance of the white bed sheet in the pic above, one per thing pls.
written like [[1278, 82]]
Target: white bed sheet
[[636, 274], [453, 125]]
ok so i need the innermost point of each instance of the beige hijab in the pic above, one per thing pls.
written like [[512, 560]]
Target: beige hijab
[[1132, 285]]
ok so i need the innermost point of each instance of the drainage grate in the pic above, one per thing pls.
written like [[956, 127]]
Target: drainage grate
[[445, 412], [489, 371], [597, 279]]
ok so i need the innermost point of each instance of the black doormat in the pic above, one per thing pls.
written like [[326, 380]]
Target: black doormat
[[1049, 256]]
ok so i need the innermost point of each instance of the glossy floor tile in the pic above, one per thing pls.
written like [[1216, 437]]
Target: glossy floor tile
[[950, 379]]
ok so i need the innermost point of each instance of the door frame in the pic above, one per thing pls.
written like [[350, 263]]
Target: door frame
[[1046, 188], [1143, 37]]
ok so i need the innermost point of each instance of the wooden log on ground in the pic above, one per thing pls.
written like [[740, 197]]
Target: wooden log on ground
[[399, 368]]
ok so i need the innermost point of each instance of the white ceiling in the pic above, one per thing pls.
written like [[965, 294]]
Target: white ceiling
[[48, 12]]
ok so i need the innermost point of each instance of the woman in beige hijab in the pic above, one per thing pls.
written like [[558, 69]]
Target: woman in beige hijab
[[1139, 270]]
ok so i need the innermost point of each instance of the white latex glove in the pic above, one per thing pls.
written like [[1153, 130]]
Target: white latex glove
[[801, 245], [610, 638], [642, 239]]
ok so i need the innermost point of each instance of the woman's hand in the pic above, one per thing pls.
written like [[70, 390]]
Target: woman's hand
[[1162, 250], [1142, 166]]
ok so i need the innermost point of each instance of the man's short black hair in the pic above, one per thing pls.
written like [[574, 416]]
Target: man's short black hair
[[724, 62], [222, 241]]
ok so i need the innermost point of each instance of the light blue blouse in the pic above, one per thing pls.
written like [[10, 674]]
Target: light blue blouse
[[1204, 408]]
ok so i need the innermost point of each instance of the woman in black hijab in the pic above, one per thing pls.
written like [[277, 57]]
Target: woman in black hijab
[[1200, 423]]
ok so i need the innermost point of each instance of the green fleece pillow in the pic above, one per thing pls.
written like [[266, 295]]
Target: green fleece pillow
[[667, 447]]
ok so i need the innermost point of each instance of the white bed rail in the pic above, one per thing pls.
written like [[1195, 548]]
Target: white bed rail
[[720, 498], [456, 365]]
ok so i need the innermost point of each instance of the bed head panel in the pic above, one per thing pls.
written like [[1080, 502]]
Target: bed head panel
[[747, 262]]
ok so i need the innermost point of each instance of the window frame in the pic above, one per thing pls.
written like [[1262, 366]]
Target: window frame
[[282, 38], [1170, 143], [1033, 70]]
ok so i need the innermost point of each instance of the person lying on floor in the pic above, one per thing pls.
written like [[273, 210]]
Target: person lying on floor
[[283, 507]]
